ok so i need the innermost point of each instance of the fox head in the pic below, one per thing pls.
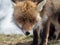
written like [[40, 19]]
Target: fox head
[[27, 14]]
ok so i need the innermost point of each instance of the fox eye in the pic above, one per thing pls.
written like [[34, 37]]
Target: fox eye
[[31, 21], [23, 20]]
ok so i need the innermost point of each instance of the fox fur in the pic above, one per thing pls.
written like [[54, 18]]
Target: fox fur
[[28, 12]]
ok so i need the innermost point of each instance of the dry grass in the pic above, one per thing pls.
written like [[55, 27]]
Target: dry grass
[[20, 40]]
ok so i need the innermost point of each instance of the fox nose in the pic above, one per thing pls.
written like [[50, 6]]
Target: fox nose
[[27, 33]]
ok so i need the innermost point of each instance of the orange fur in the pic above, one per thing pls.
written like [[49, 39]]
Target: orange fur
[[25, 12]]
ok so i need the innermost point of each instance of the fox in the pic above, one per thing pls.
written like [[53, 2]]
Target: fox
[[36, 15]]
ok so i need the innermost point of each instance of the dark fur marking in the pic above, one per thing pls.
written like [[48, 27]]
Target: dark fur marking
[[35, 38], [51, 34], [58, 37], [59, 17], [16, 0], [52, 30]]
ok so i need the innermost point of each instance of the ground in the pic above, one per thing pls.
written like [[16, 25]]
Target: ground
[[19, 40]]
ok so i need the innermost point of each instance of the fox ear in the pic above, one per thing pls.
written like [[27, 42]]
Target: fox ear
[[40, 5], [15, 1]]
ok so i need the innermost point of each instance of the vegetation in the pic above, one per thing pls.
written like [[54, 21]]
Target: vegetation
[[20, 40]]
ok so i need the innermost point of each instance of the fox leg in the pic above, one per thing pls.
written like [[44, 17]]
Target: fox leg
[[44, 39], [35, 38]]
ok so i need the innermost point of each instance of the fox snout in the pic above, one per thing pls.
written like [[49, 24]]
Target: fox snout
[[27, 33]]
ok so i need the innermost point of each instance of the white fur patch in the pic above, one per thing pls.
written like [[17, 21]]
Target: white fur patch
[[38, 17], [44, 18], [39, 23], [20, 25]]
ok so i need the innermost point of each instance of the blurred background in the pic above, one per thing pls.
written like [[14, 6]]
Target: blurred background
[[7, 25]]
